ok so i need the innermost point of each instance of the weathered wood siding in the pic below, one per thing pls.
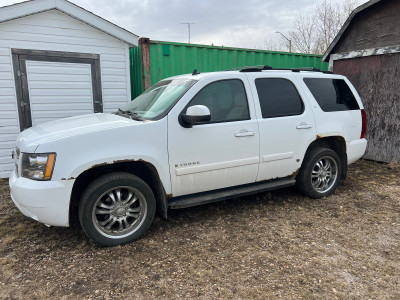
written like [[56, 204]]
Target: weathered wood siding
[[377, 80], [375, 27], [56, 31]]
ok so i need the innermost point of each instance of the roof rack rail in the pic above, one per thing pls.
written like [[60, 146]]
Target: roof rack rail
[[269, 68], [258, 67]]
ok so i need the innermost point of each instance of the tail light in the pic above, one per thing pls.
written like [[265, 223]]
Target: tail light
[[364, 123]]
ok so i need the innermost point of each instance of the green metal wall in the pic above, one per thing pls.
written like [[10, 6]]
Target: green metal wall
[[169, 59], [136, 72]]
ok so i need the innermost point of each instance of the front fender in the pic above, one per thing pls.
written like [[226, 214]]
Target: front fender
[[145, 142]]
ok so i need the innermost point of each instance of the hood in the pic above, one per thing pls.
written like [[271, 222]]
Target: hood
[[31, 138]]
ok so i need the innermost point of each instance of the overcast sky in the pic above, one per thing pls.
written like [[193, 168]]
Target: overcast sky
[[235, 23]]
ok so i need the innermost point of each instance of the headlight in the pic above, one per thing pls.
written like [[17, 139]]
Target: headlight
[[38, 166]]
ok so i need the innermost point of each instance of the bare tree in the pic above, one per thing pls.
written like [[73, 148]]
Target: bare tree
[[272, 45], [347, 7], [303, 34], [327, 17], [313, 34]]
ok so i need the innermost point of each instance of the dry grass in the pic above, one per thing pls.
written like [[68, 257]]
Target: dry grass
[[270, 245]]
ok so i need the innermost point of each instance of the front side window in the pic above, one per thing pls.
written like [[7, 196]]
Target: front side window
[[332, 94], [278, 98], [226, 100], [158, 99]]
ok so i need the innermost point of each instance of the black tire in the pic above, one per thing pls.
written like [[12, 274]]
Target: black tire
[[122, 199], [316, 179]]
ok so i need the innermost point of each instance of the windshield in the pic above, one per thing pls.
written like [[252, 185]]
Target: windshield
[[156, 100]]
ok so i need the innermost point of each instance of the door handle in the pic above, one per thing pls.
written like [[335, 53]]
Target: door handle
[[243, 133], [304, 126]]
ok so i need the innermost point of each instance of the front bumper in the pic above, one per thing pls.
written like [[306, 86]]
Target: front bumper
[[43, 201]]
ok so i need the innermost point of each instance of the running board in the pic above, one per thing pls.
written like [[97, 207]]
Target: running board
[[219, 195]]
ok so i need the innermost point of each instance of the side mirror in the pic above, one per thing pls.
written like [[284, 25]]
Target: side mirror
[[196, 114]]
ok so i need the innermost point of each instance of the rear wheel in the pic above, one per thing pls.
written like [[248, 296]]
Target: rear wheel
[[116, 208], [320, 173]]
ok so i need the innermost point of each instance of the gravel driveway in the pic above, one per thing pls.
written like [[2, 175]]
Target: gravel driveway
[[270, 245]]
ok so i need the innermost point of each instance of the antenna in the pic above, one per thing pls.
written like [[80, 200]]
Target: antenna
[[188, 24]]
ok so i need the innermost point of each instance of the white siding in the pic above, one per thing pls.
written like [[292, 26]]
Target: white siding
[[9, 124], [55, 31]]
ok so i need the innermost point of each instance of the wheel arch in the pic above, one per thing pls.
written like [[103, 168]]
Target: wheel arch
[[335, 143], [144, 170]]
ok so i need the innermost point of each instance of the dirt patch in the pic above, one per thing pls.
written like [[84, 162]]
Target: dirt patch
[[270, 245]]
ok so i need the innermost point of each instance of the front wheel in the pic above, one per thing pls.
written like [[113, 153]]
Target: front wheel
[[320, 173], [116, 209]]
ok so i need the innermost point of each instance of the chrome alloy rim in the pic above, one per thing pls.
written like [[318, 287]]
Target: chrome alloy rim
[[119, 212], [324, 174]]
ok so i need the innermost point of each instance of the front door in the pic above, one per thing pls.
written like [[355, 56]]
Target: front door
[[225, 151]]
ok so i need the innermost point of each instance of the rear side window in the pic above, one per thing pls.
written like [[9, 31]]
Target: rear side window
[[332, 94], [278, 97]]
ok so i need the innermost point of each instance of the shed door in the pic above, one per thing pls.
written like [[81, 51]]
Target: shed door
[[58, 90], [51, 85]]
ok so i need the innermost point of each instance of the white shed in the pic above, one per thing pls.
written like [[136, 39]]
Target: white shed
[[57, 60]]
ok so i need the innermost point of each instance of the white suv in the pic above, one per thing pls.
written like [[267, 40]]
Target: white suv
[[190, 140]]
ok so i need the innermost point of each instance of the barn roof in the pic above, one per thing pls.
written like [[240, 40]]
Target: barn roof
[[345, 25], [32, 7]]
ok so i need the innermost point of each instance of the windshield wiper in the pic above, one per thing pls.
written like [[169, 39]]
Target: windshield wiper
[[130, 114]]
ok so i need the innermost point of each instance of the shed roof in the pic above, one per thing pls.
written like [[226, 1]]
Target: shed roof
[[19, 10], [346, 24]]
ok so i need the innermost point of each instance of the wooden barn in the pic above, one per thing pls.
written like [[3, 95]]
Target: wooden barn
[[367, 51]]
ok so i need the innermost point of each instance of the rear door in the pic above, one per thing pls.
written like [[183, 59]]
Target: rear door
[[286, 123]]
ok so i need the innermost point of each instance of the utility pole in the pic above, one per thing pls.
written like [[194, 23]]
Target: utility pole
[[188, 24], [290, 41]]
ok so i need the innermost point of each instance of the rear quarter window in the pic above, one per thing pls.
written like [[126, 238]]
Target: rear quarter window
[[332, 94]]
